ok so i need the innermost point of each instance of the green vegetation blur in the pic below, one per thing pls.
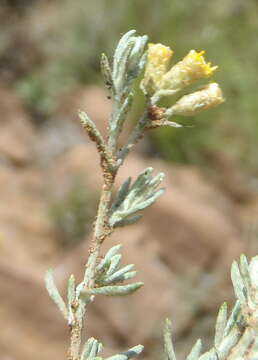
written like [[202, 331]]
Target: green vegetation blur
[[80, 30]]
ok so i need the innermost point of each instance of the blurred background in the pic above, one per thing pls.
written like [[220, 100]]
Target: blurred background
[[50, 180]]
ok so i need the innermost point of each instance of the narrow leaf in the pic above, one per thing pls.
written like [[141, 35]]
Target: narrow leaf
[[123, 112], [228, 342], [253, 270], [143, 62], [242, 349], [105, 70], [172, 124], [120, 78], [129, 275], [146, 203], [142, 179], [114, 264], [234, 316], [116, 290], [136, 54], [220, 324], [131, 353], [118, 275], [127, 221], [210, 355], [196, 351], [244, 268], [239, 288], [71, 289], [96, 347], [168, 346], [71, 295], [54, 293], [89, 348], [134, 351], [120, 49], [106, 261], [121, 194]]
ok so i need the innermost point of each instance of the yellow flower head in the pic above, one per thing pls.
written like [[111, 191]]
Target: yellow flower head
[[204, 99], [193, 67], [157, 65], [198, 59]]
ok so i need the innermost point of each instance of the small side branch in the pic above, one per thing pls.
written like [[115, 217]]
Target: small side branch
[[96, 137], [135, 136]]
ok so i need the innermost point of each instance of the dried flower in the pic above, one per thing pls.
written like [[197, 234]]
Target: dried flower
[[204, 99], [193, 67], [157, 65]]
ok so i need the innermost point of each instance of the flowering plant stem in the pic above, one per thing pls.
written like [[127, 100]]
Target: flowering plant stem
[[106, 277], [101, 231]]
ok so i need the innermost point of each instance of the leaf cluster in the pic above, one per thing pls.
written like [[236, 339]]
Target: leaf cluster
[[236, 336]]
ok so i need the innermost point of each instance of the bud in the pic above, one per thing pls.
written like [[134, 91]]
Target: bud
[[204, 99], [193, 67], [157, 65]]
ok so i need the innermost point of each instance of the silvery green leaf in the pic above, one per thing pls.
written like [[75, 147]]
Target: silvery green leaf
[[168, 345], [172, 124], [239, 288], [106, 261], [150, 186], [228, 343], [117, 125], [143, 61], [121, 194], [127, 221], [116, 290], [244, 268], [71, 295], [114, 264], [242, 349], [71, 290], [135, 64], [210, 355], [105, 70], [79, 288], [96, 348], [129, 275], [142, 194], [143, 178], [54, 293], [220, 324], [118, 275], [91, 349], [148, 202], [196, 351], [122, 45], [128, 62], [131, 353], [149, 190], [121, 76], [253, 271], [234, 316], [137, 188], [155, 181], [87, 348]]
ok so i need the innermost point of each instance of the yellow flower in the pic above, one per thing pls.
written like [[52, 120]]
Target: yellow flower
[[204, 99], [157, 65], [193, 67]]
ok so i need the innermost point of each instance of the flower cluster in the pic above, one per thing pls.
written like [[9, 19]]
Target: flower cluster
[[159, 79]]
